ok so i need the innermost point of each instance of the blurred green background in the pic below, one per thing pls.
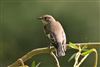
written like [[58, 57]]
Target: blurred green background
[[20, 31]]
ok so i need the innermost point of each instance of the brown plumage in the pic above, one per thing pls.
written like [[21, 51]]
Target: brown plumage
[[55, 33]]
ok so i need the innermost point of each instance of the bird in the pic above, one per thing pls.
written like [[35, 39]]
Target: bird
[[55, 32]]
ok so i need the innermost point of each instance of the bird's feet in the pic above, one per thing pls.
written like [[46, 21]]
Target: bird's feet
[[50, 46]]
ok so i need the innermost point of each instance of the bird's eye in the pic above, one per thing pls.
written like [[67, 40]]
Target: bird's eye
[[45, 18]]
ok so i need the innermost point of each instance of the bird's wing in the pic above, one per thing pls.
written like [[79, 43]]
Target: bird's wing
[[47, 32], [50, 35]]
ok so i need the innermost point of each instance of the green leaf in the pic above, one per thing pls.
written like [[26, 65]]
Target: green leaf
[[84, 48], [72, 45], [33, 64], [73, 56], [87, 52]]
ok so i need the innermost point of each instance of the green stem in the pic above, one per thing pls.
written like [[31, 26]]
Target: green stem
[[96, 57], [55, 58], [82, 60]]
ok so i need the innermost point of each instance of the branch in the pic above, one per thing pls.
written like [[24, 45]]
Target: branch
[[96, 57], [31, 54], [55, 58], [90, 44], [47, 50], [82, 60]]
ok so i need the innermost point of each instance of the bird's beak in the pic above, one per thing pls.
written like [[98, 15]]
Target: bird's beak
[[39, 18]]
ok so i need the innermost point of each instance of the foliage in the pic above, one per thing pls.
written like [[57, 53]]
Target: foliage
[[34, 64], [84, 52]]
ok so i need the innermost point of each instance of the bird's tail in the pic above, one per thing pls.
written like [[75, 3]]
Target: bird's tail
[[60, 50]]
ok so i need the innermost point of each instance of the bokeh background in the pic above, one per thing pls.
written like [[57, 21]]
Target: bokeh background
[[20, 31]]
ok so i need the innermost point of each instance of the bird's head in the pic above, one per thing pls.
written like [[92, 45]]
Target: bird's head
[[46, 19]]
